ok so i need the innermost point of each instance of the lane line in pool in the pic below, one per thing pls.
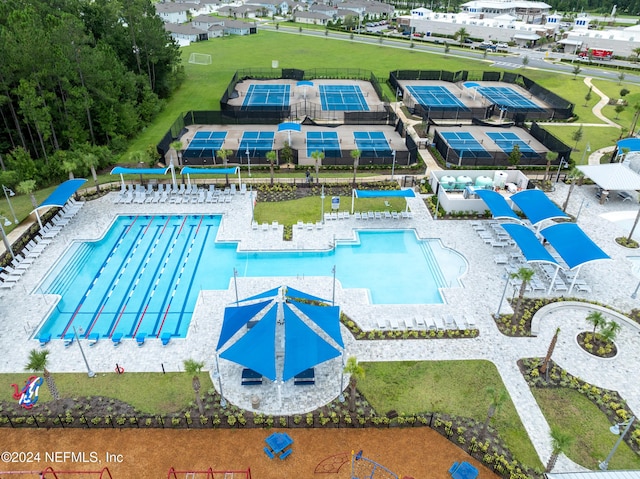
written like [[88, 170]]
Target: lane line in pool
[[149, 225]]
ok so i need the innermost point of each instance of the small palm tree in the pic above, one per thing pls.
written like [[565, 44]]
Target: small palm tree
[[38, 362], [317, 156], [272, 156], [560, 443], [92, 161], [28, 187], [69, 166], [576, 71], [497, 399], [224, 156], [547, 358], [355, 154], [461, 35], [610, 331], [596, 319], [194, 368], [524, 275], [574, 174], [356, 372]]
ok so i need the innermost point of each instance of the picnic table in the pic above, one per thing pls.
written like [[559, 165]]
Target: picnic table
[[463, 470], [277, 443]]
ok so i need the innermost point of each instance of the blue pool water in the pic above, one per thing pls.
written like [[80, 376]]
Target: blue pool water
[[144, 275]]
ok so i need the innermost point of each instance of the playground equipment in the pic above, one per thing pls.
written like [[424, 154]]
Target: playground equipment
[[50, 473], [28, 396], [208, 474], [365, 468]]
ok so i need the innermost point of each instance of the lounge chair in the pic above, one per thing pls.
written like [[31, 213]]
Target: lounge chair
[[251, 377], [358, 215], [305, 378], [116, 339]]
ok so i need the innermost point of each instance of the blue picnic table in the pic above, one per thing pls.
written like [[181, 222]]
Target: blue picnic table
[[463, 470], [277, 443]]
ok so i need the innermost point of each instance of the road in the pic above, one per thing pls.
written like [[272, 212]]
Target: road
[[508, 61]]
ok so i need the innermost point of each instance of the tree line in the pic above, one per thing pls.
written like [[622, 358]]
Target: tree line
[[78, 79]]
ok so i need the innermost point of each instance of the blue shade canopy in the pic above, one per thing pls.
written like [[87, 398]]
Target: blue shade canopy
[[537, 206], [304, 83], [62, 193], [266, 294], [326, 317], [632, 143], [407, 193], [257, 348], [235, 317], [529, 244], [121, 170], [303, 348], [496, 203], [189, 170], [572, 244], [294, 293], [289, 126]]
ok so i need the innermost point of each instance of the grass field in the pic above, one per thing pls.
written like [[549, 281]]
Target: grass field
[[449, 387], [592, 440]]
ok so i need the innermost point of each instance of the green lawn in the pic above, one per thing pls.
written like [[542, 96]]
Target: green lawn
[[596, 137], [450, 387], [309, 209], [581, 419], [147, 392]]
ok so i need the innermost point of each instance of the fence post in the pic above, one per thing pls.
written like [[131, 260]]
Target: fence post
[[36, 421], [9, 419]]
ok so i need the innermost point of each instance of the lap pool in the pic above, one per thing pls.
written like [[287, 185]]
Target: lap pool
[[145, 274]]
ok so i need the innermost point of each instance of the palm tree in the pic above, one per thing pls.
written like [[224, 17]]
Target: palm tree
[[574, 174], [92, 161], [547, 358], [355, 154], [551, 157], [461, 35], [272, 156], [194, 368], [525, 61], [560, 442], [317, 156], [524, 275], [497, 400], [27, 187], [224, 156], [610, 331], [596, 319], [576, 71], [69, 166], [38, 362], [356, 372]]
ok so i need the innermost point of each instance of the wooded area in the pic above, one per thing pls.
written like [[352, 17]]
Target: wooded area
[[78, 78]]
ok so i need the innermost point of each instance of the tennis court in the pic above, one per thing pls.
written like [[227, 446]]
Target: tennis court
[[507, 98], [325, 141], [465, 145], [342, 98], [506, 141], [257, 143], [372, 144], [272, 95], [435, 96], [205, 144]]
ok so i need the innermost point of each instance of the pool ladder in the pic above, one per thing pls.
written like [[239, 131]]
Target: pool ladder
[[438, 276]]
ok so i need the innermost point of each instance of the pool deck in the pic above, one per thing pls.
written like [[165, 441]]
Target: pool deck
[[612, 282]]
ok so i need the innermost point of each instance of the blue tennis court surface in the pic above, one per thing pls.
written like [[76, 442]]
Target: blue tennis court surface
[[205, 144], [435, 96], [325, 141], [342, 98], [465, 145], [257, 142], [372, 144], [266, 95], [506, 142], [506, 97]]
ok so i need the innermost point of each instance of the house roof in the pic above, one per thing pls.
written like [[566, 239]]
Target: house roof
[[186, 29], [317, 15], [238, 24], [206, 19], [172, 7]]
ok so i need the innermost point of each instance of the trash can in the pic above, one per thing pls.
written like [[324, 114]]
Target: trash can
[[255, 402]]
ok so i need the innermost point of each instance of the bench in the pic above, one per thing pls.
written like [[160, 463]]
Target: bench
[[624, 196], [251, 377], [305, 378]]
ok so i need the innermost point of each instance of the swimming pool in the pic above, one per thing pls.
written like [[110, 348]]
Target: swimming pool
[[145, 274]]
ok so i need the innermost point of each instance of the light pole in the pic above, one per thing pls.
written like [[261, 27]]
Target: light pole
[[615, 429], [560, 165], [223, 401], [248, 161], [341, 396], [5, 240], [504, 293], [90, 373], [7, 193], [322, 205], [333, 294], [393, 165], [580, 209], [586, 150], [634, 295], [235, 283]]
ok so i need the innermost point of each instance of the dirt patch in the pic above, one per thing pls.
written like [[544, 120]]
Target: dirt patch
[[417, 452]]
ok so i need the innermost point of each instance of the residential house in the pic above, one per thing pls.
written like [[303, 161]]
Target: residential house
[[236, 27], [172, 12], [184, 34], [311, 18]]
